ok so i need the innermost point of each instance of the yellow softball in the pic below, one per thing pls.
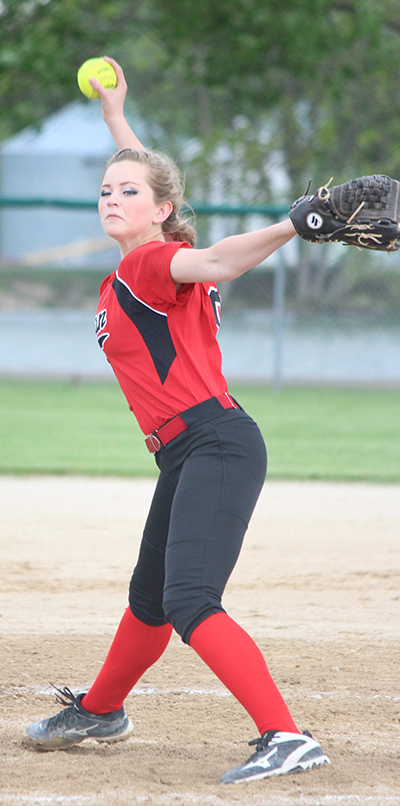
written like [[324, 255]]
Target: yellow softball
[[96, 68]]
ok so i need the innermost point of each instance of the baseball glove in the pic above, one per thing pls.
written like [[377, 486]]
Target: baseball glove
[[364, 212]]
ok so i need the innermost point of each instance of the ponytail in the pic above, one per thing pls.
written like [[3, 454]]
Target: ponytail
[[178, 229]]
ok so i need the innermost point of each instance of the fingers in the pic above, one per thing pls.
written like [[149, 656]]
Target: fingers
[[113, 63], [121, 87], [97, 86], [118, 69], [112, 100]]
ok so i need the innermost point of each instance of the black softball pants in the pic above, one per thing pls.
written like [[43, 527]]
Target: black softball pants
[[210, 479]]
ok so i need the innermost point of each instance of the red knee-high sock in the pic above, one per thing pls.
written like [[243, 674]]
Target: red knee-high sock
[[234, 657], [136, 646]]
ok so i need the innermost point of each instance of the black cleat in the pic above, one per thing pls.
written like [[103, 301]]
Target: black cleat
[[278, 753], [73, 725]]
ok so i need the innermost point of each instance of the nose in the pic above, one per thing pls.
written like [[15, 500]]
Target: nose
[[112, 200]]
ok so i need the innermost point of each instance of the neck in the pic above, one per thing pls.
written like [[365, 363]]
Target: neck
[[127, 247]]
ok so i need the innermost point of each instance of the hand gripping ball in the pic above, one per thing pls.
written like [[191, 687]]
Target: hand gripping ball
[[96, 68]]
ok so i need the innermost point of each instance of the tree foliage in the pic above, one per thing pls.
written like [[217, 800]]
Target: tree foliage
[[314, 80], [42, 45], [328, 69]]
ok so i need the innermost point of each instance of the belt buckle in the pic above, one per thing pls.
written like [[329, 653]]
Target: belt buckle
[[152, 443]]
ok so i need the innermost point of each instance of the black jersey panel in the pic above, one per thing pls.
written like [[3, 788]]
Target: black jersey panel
[[152, 326]]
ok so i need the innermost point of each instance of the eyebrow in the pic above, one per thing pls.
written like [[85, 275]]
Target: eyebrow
[[105, 185]]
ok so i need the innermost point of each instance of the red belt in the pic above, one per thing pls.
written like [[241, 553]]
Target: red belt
[[161, 436]]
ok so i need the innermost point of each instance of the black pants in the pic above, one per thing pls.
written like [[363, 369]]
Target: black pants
[[210, 479]]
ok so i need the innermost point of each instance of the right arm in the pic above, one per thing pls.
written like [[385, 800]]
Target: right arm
[[112, 105], [230, 257]]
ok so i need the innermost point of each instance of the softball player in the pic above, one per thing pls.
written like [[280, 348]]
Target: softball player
[[157, 321]]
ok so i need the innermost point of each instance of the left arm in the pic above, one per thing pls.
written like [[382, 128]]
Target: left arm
[[231, 257]]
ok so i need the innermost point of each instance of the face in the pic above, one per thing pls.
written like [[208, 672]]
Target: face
[[128, 211]]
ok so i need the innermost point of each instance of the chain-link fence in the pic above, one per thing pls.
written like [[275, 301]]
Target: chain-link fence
[[315, 314], [309, 314]]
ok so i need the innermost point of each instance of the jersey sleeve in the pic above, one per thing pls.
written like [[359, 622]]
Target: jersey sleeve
[[146, 270]]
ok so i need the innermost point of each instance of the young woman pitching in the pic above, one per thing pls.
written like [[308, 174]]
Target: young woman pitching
[[157, 323]]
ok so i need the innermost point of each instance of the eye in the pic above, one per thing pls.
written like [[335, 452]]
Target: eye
[[130, 192], [105, 192]]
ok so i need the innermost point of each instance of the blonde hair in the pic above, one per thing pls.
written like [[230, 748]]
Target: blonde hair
[[167, 184]]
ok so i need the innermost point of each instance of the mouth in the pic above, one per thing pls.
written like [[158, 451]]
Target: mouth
[[114, 215]]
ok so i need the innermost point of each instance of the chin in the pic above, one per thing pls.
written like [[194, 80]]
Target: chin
[[112, 232], [112, 228]]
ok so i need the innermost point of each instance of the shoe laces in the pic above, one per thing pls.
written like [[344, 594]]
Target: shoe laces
[[64, 696], [263, 741]]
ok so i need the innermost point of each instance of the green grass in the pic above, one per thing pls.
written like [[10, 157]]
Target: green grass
[[311, 433]]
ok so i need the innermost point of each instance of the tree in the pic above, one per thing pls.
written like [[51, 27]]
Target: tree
[[42, 45], [328, 70], [315, 80]]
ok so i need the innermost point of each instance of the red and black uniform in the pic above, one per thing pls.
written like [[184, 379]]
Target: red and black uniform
[[162, 346], [160, 342]]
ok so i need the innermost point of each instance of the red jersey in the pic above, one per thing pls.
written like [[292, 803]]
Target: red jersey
[[160, 342]]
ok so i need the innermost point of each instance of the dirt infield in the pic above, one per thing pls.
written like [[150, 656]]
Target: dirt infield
[[317, 585]]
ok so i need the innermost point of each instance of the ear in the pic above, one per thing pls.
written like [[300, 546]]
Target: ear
[[163, 212]]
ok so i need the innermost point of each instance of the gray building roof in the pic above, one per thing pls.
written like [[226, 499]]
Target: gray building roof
[[76, 129]]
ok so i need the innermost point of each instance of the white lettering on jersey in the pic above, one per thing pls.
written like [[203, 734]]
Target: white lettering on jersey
[[100, 321]]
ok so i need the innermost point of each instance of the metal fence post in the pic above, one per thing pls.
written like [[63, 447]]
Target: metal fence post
[[278, 322]]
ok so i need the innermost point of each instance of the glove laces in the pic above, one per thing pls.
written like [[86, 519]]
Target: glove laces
[[323, 192], [355, 212]]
